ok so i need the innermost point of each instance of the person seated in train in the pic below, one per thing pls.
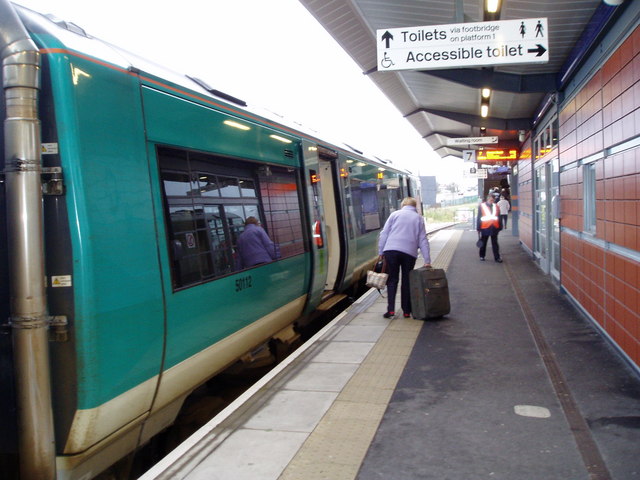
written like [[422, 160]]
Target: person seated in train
[[254, 245]]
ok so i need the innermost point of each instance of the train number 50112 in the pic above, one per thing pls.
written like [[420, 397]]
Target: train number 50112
[[243, 283]]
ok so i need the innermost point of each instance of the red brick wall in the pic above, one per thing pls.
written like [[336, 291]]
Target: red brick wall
[[605, 113]]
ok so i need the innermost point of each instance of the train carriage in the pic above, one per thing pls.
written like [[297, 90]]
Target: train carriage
[[147, 179]]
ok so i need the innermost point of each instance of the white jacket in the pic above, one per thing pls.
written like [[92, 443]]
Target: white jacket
[[504, 206]]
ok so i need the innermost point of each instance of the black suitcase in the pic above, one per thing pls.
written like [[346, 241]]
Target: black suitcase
[[429, 293]]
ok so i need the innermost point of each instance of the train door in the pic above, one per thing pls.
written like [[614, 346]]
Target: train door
[[335, 246]]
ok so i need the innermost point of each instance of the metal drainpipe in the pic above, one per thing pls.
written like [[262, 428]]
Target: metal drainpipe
[[29, 317]]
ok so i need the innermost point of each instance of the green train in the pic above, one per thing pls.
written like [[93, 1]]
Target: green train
[[124, 190]]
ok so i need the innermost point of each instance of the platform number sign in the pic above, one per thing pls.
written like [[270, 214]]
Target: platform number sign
[[469, 156]]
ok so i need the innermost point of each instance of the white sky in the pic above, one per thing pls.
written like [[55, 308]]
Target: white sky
[[270, 53]]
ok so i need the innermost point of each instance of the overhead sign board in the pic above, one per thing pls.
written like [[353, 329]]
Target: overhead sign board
[[497, 155], [500, 42], [471, 140]]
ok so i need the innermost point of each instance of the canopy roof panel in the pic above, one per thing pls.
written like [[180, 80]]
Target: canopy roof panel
[[442, 104]]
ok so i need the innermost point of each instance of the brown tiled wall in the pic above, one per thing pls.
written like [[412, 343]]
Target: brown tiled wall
[[605, 113]]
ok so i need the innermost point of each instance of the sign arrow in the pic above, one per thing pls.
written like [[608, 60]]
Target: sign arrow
[[540, 50], [386, 37]]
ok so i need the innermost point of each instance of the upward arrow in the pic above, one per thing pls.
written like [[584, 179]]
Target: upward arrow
[[539, 51], [386, 37]]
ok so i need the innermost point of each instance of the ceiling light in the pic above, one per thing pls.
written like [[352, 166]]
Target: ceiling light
[[492, 6], [486, 92], [237, 125], [484, 110], [280, 139]]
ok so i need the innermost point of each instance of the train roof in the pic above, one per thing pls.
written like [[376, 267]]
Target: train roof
[[73, 37]]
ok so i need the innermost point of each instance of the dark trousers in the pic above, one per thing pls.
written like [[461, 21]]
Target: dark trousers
[[396, 261], [494, 245], [503, 221]]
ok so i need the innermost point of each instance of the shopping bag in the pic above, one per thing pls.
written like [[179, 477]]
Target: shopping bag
[[376, 280]]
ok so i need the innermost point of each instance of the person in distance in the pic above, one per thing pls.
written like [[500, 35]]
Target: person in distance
[[488, 226], [504, 206]]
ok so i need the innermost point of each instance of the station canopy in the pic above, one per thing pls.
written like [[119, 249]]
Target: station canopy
[[445, 103]]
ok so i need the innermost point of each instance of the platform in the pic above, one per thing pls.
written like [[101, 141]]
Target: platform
[[513, 384]]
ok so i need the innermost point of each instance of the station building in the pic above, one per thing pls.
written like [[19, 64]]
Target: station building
[[578, 181]]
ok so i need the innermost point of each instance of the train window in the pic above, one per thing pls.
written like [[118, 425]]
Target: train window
[[247, 188], [208, 185], [207, 200], [279, 192], [221, 251], [364, 185], [177, 184], [230, 187], [190, 244]]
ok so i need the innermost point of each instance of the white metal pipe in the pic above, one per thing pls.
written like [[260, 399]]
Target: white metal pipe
[[29, 316]]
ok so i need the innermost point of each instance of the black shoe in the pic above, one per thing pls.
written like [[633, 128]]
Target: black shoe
[[482, 259], [389, 314], [499, 260]]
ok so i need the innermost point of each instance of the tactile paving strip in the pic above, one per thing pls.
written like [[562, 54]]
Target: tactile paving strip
[[339, 443]]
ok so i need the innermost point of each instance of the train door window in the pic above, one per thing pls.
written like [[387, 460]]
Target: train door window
[[207, 200], [356, 201], [317, 218], [346, 192]]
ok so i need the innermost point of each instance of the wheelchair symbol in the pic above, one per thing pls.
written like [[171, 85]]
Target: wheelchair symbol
[[386, 62]]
